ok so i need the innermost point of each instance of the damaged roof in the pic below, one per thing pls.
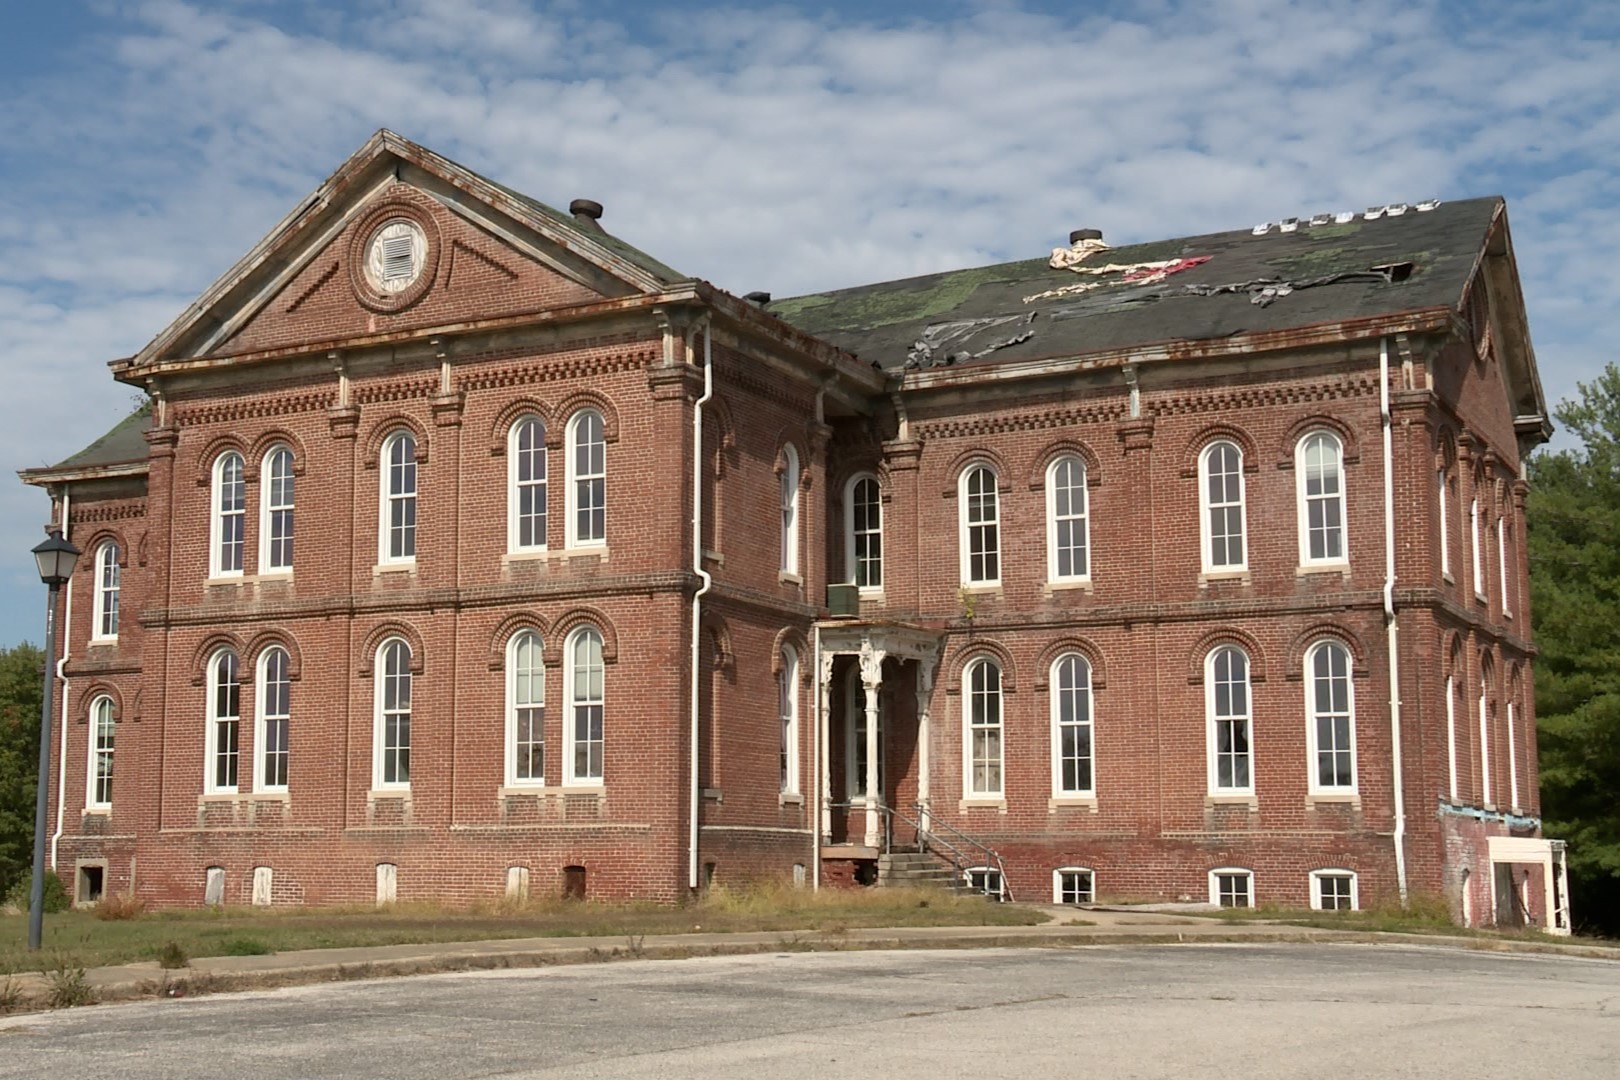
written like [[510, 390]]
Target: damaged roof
[[1195, 288], [125, 444]]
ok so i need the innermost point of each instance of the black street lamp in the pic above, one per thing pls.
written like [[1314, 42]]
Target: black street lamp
[[55, 558]]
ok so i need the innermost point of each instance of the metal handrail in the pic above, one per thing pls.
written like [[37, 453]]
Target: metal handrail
[[929, 840]]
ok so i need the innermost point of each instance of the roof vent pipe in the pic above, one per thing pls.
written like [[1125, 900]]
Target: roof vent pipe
[[760, 298], [588, 213], [1084, 234]]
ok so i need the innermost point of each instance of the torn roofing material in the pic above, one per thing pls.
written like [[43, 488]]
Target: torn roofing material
[[1219, 285]]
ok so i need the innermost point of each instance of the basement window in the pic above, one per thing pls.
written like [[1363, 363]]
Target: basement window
[[1231, 887], [1073, 885], [90, 884], [986, 880]]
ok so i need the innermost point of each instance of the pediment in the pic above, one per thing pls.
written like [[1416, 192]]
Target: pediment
[[400, 239]]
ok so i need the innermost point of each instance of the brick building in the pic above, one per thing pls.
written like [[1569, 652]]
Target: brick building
[[465, 549]]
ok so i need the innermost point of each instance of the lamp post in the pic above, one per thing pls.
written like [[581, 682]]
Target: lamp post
[[55, 558]]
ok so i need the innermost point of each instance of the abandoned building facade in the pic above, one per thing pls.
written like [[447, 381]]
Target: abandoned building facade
[[465, 550]]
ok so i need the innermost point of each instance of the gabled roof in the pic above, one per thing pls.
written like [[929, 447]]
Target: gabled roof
[[1219, 285], [257, 276]]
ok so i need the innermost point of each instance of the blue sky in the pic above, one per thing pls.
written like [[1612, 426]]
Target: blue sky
[[146, 144]]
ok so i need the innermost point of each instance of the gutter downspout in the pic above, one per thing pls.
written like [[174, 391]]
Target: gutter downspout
[[61, 669], [1392, 627], [697, 597]]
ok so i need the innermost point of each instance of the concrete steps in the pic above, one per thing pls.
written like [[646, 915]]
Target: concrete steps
[[917, 869]]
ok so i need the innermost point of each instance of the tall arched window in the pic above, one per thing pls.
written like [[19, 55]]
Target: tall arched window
[[583, 733], [1442, 486], [1220, 483], [224, 722], [982, 730], [102, 735], [1484, 733], [391, 731], [276, 512], [587, 480], [1330, 712], [1068, 529], [787, 709], [525, 710], [789, 507], [1503, 526], [526, 485], [1475, 527], [863, 532], [1451, 733], [1226, 704], [1319, 468], [1513, 741], [105, 616], [273, 723], [397, 535], [1071, 726], [230, 500], [980, 526]]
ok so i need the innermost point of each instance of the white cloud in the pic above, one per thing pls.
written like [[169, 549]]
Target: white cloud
[[781, 150]]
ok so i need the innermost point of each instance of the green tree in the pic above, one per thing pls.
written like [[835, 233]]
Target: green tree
[[1574, 546], [22, 672]]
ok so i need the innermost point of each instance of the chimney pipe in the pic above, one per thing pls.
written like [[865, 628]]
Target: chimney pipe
[[760, 298], [1084, 234], [587, 213]]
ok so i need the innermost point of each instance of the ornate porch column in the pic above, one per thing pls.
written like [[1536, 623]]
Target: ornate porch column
[[871, 682], [925, 694], [823, 761]]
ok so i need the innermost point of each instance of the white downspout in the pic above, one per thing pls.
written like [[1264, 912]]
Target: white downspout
[[1392, 627], [61, 669], [697, 597]]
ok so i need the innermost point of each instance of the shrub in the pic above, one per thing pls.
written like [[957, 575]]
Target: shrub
[[57, 898], [116, 908], [172, 957], [246, 946], [68, 986]]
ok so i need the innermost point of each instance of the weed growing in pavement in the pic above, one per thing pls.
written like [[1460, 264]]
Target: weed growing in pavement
[[172, 956], [68, 986]]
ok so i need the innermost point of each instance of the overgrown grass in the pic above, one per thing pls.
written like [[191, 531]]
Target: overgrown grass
[[81, 939]]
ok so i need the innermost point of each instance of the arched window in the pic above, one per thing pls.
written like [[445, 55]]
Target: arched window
[[276, 512], [1226, 703], [391, 731], [1451, 733], [1442, 486], [982, 731], [1503, 526], [1330, 712], [863, 532], [1484, 734], [980, 526], [224, 722], [789, 508], [583, 734], [1071, 726], [230, 500], [1068, 529], [102, 735], [105, 615], [1512, 742], [1475, 527], [525, 710], [787, 710], [274, 720], [587, 480], [397, 536], [1220, 483], [1319, 467], [526, 485]]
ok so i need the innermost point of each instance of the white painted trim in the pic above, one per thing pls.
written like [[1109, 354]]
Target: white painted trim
[[1302, 502], [261, 714], [1502, 565], [572, 539], [1445, 524], [514, 545], [1513, 760], [570, 777], [964, 545], [1479, 558], [106, 558], [788, 721], [379, 677], [1313, 774], [1210, 743], [216, 516], [849, 532], [266, 508], [515, 783], [788, 511], [211, 747], [1055, 713], [1484, 741], [1057, 882], [96, 704], [1205, 536], [1316, 887], [1053, 577], [386, 497], [968, 792], [1215, 887], [1451, 734]]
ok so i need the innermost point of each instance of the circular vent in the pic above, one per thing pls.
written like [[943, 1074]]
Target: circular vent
[[395, 256]]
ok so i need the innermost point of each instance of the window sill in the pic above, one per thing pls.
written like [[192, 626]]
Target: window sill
[[1333, 798], [714, 557], [1250, 801], [1072, 802], [790, 798], [1209, 576], [870, 593], [280, 795], [1068, 585], [388, 793], [512, 790], [219, 796], [218, 580], [1481, 598], [270, 574], [988, 802], [1306, 569], [582, 787], [98, 811], [982, 588], [582, 551], [527, 555], [394, 568], [103, 642], [783, 577], [1445, 576]]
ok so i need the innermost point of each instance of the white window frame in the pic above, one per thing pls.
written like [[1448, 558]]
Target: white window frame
[[1084, 721], [1081, 496], [789, 511], [989, 527], [539, 480], [787, 703], [1206, 507], [1445, 523], [1334, 872], [219, 512], [1057, 884], [388, 496], [270, 506], [103, 726], [386, 706], [215, 751], [520, 697], [1484, 741], [1513, 759], [987, 871], [576, 476], [1479, 556], [1212, 721], [1502, 564], [104, 617], [1305, 499], [973, 726], [1451, 734], [852, 534], [1219, 872], [265, 711], [1313, 717], [576, 698]]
